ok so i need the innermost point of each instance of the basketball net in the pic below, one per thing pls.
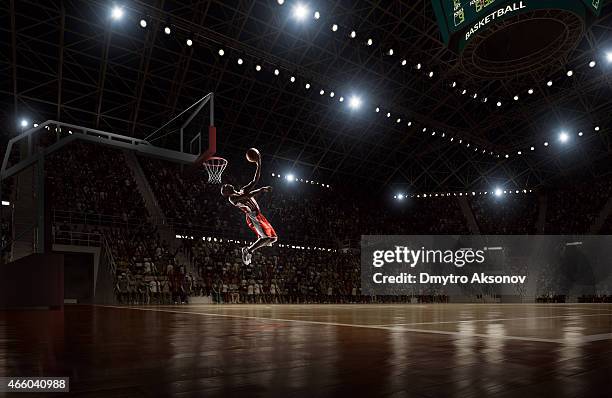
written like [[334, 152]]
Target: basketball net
[[215, 167]]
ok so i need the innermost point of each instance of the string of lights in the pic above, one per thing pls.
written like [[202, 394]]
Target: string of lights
[[293, 178], [214, 239], [497, 192]]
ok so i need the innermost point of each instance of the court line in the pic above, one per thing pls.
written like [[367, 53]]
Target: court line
[[493, 319], [395, 328]]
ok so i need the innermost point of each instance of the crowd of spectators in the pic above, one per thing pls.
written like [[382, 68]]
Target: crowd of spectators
[[89, 178], [573, 209], [299, 212], [505, 215]]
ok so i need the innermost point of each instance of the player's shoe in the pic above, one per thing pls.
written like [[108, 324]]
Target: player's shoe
[[246, 256]]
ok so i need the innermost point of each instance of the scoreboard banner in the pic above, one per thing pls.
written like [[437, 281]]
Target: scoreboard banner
[[460, 20]]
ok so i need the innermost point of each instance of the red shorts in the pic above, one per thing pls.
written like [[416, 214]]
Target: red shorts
[[260, 225]]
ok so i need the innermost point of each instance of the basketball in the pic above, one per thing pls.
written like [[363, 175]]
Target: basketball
[[253, 155]]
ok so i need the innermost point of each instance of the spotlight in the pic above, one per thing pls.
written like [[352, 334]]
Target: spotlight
[[404, 62], [189, 42], [596, 128], [258, 68], [317, 15], [334, 28], [546, 143], [167, 30], [292, 79], [240, 61], [276, 72], [321, 92], [400, 196], [307, 86], [550, 83], [499, 103], [143, 23], [355, 102], [300, 11], [398, 120], [418, 66], [290, 177], [532, 148], [454, 84], [592, 64], [609, 56], [332, 94], [580, 134], [390, 51], [388, 114], [221, 52], [377, 109], [530, 91], [570, 73], [498, 192], [341, 99], [370, 42], [117, 13], [24, 123], [431, 74], [280, 2], [353, 34], [563, 137]]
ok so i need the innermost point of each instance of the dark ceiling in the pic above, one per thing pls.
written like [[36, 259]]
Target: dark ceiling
[[67, 60]]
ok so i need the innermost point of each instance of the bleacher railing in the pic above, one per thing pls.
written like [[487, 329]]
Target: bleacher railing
[[104, 220], [77, 238]]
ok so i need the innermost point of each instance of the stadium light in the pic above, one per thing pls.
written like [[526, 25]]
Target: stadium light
[[498, 191], [400, 196], [221, 52], [117, 13], [355, 102], [317, 15], [189, 42], [592, 64], [609, 56], [290, 177], [563, 137], [143, 23], [300, 11], [167, 30], [23, 123], [280, 2], [370, 42]]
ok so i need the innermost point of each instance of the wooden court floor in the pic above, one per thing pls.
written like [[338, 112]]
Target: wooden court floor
[[437, 350]]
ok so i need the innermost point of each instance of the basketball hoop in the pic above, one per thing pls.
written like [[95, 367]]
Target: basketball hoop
[[215, 167]]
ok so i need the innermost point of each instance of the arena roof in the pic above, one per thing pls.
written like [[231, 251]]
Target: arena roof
[[71, 61]]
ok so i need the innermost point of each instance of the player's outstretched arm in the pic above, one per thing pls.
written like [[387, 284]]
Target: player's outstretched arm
[[261, 190], [248, 188]]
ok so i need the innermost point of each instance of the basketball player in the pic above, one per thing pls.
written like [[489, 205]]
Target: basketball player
[[244, 199]]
